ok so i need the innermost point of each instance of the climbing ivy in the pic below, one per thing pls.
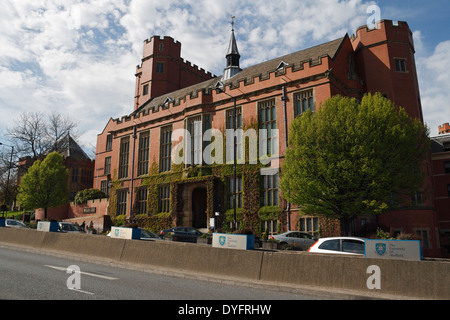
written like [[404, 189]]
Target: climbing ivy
[[249, 216]]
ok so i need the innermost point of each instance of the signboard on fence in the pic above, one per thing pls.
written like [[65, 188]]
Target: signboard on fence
[[48, 226], [233, 241], [126, 233], [393, 249]]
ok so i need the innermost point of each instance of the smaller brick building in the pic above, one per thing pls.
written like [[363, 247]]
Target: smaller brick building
[[80, 166], [445, 128], [440, 157]]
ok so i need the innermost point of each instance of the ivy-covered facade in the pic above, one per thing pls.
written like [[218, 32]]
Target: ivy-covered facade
[[197, 194], [135, 156]]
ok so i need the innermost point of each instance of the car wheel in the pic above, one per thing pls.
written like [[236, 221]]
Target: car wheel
[[283, 246]]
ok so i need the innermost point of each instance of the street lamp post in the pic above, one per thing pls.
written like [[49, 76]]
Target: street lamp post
[[220, 88], [9, 171], [134, 136]]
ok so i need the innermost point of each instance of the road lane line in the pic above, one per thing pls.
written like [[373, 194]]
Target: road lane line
[[84, 273], [81, 291]]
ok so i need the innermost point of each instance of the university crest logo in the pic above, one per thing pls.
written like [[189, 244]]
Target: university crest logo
[[116, 232], [222, 240], [381, 248]]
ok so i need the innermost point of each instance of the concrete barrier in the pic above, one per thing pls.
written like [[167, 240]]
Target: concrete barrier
[[84, 245], [413, 279], [22, 237], [404, 279], [194, 258]]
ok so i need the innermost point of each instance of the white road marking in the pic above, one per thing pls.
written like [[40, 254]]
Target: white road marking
[[85, 273], [81, 291]]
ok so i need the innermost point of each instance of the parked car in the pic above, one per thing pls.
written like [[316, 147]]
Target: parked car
[[148, 235], [145, 235], [14, 223], [299, 239], [339, 245], [184, 234], [69, 227]]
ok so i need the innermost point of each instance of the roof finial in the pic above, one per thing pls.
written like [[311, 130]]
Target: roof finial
[[232, 22]]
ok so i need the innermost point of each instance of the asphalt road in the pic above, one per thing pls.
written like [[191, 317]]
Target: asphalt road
[[32, 276]]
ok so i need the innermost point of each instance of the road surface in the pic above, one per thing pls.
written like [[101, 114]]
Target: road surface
[[32, 276]]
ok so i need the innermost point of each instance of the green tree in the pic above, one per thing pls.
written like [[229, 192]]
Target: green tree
[[349, 158], [45, 184]]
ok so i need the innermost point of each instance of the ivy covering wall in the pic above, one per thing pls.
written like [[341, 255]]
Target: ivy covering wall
[[214, 177]]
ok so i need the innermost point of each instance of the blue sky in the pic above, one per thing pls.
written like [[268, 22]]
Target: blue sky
[[79, 56]]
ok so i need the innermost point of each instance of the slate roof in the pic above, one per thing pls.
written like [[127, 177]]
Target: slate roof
[[69, 148], [294, 60], [440, 143]]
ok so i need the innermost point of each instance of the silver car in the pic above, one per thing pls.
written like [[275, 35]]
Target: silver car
[[299, 239], [14, 223]]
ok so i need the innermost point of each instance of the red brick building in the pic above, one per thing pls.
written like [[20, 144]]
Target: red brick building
[[77, 162], [81, 171], [134, 162], [445, 128], [440, 157]]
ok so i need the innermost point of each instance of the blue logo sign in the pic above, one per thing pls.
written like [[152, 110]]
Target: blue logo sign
[[116, 232], [222, 240], [381, 248]]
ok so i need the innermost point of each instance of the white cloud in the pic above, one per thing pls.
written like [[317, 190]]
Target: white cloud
[[61, 55], [79, 57], [434, 84]]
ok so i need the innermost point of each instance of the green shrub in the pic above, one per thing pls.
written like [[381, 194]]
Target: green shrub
[[89, 194]]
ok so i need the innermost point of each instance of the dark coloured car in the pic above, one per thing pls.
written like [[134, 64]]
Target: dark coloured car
[[183, 234], [68, 227], [148, 235]]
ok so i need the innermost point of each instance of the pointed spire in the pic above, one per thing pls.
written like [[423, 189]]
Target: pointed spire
[[232, 56], [232, 47]]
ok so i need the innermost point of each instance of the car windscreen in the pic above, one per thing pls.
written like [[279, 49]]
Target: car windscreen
[[333, 245], [68, 227]]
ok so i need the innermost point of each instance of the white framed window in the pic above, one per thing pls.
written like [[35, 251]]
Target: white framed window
[[425, 235], [270, 225], [309, 225], [400, 65], [303, 101]]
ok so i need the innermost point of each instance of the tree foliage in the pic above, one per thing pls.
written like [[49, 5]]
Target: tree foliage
[[45, 184], [349, 158]]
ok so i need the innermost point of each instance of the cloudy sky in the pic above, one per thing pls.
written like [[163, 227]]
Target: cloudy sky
[[79, 56]]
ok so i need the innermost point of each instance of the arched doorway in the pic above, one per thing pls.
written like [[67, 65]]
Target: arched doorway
[[199, 207]]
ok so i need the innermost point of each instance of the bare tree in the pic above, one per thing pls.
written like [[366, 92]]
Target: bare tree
[[33, 136], [58, 127], [29, 134]]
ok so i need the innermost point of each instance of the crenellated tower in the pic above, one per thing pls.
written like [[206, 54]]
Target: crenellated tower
[[163, 70], [385, 61]]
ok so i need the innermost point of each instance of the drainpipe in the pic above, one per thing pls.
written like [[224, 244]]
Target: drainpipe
[[132, 171], [284, 98]]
